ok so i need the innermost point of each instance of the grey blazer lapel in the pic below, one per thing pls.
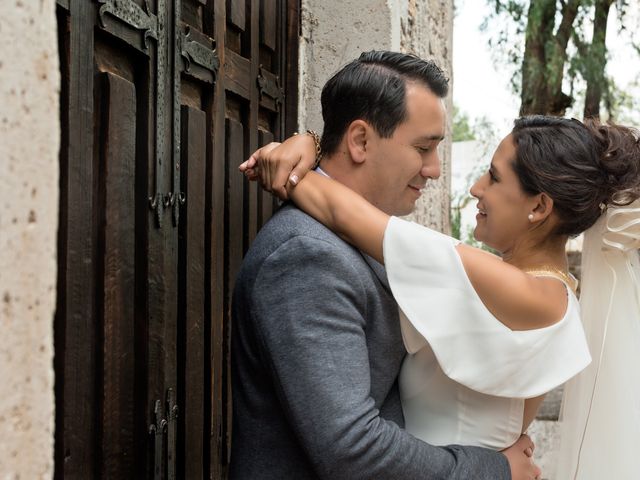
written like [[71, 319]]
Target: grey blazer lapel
[[378, 269]]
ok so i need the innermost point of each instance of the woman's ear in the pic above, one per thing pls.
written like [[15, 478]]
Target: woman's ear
[[543, 207], [358, 134]]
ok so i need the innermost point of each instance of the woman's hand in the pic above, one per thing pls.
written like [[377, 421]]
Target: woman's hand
[[279, 166]]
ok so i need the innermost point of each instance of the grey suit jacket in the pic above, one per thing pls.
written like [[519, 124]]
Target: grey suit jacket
[[316, 351]]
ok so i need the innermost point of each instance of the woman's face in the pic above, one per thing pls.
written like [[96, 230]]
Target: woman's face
[[503, 207]]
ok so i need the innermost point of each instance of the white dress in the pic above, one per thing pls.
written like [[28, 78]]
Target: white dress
[[466, 374]]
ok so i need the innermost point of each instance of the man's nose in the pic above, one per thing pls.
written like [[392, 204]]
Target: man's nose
[[431, 168]]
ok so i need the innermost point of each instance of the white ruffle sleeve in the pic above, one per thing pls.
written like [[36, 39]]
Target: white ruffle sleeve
[[439, 305]]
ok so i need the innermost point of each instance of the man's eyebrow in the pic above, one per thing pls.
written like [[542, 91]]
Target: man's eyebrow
[[430, 138]]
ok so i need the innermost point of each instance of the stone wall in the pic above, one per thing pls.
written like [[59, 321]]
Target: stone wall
[[29, 142], [336, 32]]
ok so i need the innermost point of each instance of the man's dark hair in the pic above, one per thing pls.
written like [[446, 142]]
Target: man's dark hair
[[373, 88]]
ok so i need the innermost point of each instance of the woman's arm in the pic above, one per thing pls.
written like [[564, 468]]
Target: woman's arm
[[519, 300], [344, 211]]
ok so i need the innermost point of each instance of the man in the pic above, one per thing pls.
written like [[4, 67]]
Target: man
[[316, 338]]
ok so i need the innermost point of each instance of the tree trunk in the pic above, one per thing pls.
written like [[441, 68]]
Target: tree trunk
[[595, 74], [545, 57], [540, 23]]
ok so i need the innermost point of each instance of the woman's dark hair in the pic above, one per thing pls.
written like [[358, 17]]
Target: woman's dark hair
[[372, 88], [581, 166]]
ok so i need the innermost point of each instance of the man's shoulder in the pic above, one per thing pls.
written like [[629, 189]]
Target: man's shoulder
[[289, 222], [291, 237]]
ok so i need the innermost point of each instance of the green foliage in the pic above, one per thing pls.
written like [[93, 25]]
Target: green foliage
[[623, 106], [465, 128], [462, 128], [456, 223], [505, 42]]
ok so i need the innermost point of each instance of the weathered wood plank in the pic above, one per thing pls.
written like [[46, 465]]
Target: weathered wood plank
[[288, 60], [235, 239], [236, 13], [268, 21], [251, 188], [144, 221], [118, 175], [215, 230], [192, 264], [60, 357], [77, 317], [162, 249], [237, 74], [271, 95]]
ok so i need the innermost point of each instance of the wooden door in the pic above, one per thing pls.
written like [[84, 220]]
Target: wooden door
[[160, 101]]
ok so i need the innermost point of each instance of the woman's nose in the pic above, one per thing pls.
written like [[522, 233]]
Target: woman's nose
[[476, 189]]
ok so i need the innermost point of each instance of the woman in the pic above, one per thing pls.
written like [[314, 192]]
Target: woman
[[488, 337]]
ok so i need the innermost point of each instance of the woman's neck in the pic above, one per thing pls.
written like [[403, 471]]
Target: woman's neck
[[552, 254]]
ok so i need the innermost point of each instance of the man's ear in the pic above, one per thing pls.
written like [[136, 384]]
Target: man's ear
[[358, 135], [543, 207]]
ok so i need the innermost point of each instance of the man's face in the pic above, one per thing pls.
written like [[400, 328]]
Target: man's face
[[399, 166]]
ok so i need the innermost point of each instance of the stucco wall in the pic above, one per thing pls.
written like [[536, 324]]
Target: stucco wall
[[29, 142], [427, 31], [335, 32]]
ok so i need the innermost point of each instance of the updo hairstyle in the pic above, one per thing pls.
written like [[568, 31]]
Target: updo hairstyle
[[583, 167]]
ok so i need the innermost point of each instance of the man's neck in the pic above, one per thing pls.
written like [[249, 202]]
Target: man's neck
[[322, 172], [348, 175]]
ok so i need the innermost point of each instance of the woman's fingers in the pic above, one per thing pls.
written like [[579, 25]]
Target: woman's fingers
[[247, 164], [252, 161], [265, 174], [251, 175], [280, 171], [305, 163], [278, 174], [297, 156], [280, 162], [281, 166]]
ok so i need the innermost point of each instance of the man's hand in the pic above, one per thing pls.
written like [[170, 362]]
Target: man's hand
[[520, 460], [278, 166]]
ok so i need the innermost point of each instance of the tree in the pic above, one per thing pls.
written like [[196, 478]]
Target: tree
[[556, 52], [596, 55], [545, 56]]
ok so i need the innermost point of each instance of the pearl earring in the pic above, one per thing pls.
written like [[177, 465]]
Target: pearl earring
[[530, 217]]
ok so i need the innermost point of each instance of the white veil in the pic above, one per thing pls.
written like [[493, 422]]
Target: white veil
[[600, 417]]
